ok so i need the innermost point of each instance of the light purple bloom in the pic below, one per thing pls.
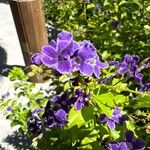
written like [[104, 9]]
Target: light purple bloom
[[87, 61], [130, 66], [61, 115], [118, 146], [115, 118], [58, 54], [36, 59]]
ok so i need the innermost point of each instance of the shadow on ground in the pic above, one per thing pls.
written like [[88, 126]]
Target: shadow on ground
[[4, 68], [3, 59], [18, 141]]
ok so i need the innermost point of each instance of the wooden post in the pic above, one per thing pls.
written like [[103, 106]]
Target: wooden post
[[30, 24]]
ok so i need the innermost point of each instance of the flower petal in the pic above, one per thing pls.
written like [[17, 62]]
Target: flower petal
[[65, 36], [49, 50], [103, 118], [36, 59], [116, 111], [103, 65], [129, 136], [61, 115], [128, 58], [123, 69], [53, 44], [62, 45], [86, 69], [111, 124], [138, 144], [78, 105], [113, 146], [69, 49], [97, 71], [48, 61], [123, 146], [138, 77], [64, 66]]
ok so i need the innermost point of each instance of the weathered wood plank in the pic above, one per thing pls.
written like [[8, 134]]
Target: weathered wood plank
[[30, 24]]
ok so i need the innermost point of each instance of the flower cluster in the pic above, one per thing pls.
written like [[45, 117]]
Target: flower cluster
[[130, 66], [66, 55], [116, 118], [56, 110], [145, 87], [129, 143]]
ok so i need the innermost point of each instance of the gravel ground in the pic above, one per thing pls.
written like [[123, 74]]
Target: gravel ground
[[10, 54]]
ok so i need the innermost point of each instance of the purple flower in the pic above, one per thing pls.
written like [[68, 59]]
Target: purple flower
[[66, 55], [118, 146], [5, 96], [137, 144], [36, 59], [9, 109], [80, 99], [36, 111], [60, 115], [116, 118], [58, 54], [130, 66], [87, 61], [146, 87], [129, 144], [115, 24]]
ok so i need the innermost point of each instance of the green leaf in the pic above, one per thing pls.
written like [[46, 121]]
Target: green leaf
[[142, 101], [105, 102], [119, 99], [88, 113], [106, 98], [75, 118], [130, 6], [17, 74], [90, 5]]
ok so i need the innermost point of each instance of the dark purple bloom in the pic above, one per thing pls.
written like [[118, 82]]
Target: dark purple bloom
[[146, 87], [129, 144], [116, 118], [36, 59], [87, 61], [137, 144], [115, 24], [118, 146], [58, 54], [80, 99]]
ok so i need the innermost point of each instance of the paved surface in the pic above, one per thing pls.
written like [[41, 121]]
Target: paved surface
[[10, 54]]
